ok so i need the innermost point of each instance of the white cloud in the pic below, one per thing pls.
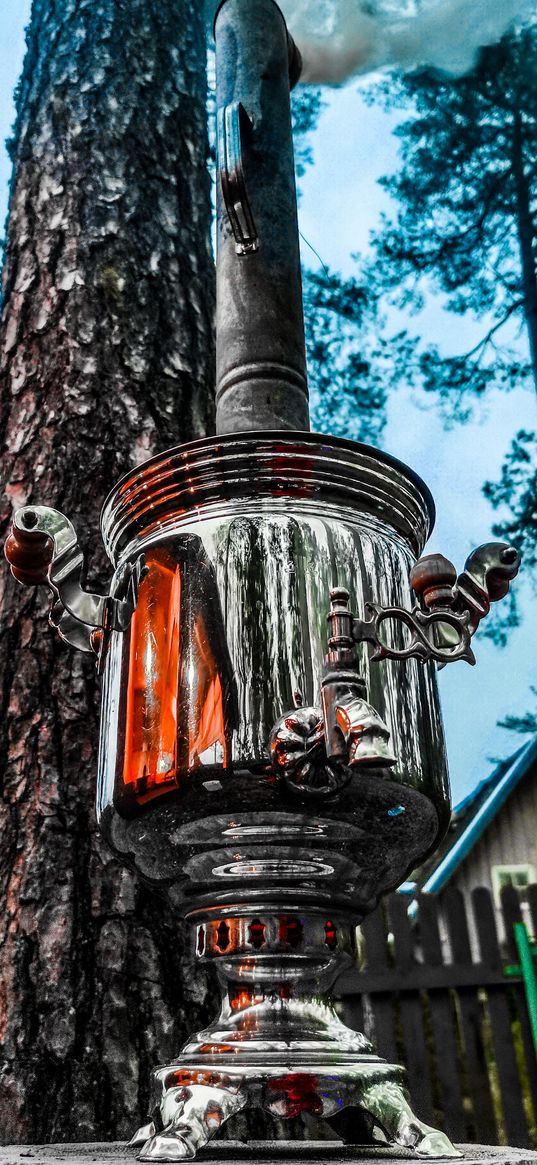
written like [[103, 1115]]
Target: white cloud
[[340, 38]]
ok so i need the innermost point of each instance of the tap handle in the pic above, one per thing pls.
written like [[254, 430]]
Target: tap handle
[[339, 619]]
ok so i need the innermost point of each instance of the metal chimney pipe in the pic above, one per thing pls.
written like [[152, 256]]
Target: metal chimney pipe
[[260, 350]]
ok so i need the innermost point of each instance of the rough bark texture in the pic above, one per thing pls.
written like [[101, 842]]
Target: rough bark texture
[[106, 358]]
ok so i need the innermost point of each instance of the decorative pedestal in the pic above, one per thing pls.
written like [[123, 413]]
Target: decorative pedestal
[[277, 1043]]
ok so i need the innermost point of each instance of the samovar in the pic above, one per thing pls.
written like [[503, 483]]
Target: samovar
[[271, 751]]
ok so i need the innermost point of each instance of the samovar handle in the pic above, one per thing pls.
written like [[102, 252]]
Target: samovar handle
[[42, 547], [449, 607]]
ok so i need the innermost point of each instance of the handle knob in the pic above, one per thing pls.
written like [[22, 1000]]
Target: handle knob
[[28, 549], [432, 579]]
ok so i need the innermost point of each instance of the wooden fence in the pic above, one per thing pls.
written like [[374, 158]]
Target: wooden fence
[[429, 1000]]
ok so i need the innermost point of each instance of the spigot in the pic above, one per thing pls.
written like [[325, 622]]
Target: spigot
[[317, 749], [354, 732], [42, 547]]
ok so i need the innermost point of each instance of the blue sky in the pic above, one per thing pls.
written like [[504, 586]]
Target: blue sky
[[341, 202]]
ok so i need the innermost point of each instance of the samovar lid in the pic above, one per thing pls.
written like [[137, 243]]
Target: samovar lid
[[275, 470]]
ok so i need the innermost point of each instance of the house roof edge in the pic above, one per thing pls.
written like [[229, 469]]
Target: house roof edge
[[485, 814]]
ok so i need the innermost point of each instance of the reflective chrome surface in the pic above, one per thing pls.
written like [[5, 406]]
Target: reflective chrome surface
[[278, 1042], [276, 970], [193, 1110], [243, 538], [269, 776]]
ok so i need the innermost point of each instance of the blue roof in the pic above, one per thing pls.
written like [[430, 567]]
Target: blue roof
[[476, 794], [503, 780]]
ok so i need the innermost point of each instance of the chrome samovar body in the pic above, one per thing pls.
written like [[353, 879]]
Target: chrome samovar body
[[243, 538]]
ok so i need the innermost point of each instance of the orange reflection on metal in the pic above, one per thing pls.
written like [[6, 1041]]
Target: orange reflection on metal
[[244, 999], [208, 727], [216, 1049], [151, 721], [245, 967], [184, 1077]]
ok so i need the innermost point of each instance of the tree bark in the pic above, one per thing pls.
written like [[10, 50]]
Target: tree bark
[[107, 357], [526, 240]]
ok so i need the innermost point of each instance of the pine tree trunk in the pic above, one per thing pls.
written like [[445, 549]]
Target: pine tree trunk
[[526, 240], [107, 357]]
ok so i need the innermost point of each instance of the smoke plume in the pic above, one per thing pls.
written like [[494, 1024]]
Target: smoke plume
[[341, 38]]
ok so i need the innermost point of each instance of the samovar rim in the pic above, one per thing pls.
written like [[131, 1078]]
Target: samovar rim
[[202, 475]]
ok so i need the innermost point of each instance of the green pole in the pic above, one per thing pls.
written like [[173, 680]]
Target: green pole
[[529, 977]]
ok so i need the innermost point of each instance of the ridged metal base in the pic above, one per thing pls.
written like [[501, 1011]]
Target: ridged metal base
[[277, 1043]]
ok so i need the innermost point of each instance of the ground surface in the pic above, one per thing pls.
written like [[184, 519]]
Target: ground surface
[[229, 1152]]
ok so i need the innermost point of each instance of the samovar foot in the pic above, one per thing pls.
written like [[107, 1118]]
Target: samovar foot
[[187, 1119], [385, 1102], [388, 1104]]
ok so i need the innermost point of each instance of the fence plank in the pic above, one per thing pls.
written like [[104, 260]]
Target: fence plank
[[443, 1025], [374, 932], [471, 1019], [463, 995], [532, 899], [417, 1060], [512, 913], [424, 978], [502, 1036]]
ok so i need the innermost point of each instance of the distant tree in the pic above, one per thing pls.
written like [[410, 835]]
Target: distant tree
[[466, 223], [465, 227], [517, 490], [526, 724], [306, 106], [516, 493], [350, 363]]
